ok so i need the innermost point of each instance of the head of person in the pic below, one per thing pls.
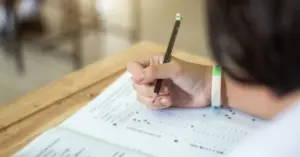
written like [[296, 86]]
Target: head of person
[[257, 42]]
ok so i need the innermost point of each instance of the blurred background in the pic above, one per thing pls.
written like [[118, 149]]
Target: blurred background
[[44, 40]]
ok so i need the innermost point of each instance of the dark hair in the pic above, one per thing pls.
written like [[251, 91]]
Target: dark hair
[[257, 41]]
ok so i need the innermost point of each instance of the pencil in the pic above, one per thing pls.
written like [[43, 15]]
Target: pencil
[[167, 56]]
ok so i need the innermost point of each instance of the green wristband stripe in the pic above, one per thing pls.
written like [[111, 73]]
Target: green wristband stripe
[[217, 71]]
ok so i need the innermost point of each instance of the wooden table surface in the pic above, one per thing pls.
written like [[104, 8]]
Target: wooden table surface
[[36, 112]]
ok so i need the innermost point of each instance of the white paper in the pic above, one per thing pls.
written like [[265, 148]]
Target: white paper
[[280, 138], [64, 143], [116, 117]]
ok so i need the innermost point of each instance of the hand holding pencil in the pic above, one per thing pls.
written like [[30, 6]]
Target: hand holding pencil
[[183, 84]]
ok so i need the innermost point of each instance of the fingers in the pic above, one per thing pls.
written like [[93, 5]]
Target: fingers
[[136, 68], [147, 71], [137, 71], [156, 60], [160, 102], [161, 71], [147, 89], [145, 94]]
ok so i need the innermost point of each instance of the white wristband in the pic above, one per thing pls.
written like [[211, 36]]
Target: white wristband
[[216, 88]]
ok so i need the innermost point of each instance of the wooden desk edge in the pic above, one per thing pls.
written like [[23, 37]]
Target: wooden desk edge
[[20, 134], [68, 85], [90, 80]]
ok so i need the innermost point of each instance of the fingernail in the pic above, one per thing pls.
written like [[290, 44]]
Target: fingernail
[[164, 102]]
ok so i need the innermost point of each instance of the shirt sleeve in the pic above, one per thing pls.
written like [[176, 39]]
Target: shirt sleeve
[[280, 138]]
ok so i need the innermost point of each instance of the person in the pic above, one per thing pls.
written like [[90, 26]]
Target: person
[[256, 44]]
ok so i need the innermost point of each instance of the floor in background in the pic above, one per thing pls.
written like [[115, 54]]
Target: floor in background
[[45, 67]]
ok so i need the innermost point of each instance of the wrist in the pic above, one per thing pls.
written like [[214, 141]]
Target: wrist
[[203, 91], [208, 84], [224, 98]]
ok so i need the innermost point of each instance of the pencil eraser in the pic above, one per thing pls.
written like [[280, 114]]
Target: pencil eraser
[[178, 16]]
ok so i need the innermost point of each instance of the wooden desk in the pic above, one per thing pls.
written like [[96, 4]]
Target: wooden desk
[[28, 117]]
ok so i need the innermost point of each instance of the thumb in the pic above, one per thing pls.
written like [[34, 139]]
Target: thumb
[[161, 71]]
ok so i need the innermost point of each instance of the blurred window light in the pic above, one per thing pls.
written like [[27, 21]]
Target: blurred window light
[[105, 5]]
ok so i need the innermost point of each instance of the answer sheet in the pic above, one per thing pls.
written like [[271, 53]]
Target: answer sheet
[[59, 142], [116, 117]]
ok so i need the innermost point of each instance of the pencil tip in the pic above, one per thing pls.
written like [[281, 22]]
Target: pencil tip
[[154, 97]]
